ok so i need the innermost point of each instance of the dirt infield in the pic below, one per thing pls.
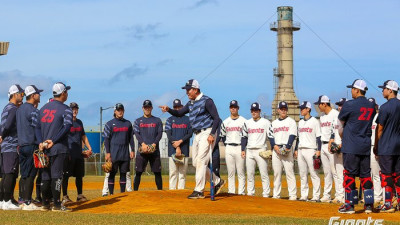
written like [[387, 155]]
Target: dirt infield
[[175, 202]]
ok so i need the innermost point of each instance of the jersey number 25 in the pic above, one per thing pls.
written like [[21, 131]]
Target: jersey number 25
[[48, 116]]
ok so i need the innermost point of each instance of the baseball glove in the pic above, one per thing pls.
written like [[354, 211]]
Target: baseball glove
[[87, 153], [107, 166], [178, 159], [283, 151], [40, 159], [267, 154], [335, 148], [150, 149], [317, 162]]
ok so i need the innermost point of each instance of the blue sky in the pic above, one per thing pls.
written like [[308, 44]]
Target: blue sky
[[129, 51]]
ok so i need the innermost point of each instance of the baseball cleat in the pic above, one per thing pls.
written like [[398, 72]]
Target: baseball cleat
[[386, 208], [81, 198], [60, 209], [45, 208], [303, 199], [292, 198], [325, 199], [219, 187], [10, 206], [196, 195], [368, 209], [346, 209], [66, 200], [30, 207], [105, 195], [314, 200]]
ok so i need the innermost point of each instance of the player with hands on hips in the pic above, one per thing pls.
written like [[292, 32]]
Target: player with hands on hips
[[255, 134], [118, 136], [231, 129], [308, 147], [355, 121], [387, 143], [284, 133]]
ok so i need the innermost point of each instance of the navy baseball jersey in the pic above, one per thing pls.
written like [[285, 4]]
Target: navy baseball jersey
[[76, 132], [357, 115], [178, 128], [118, 133], [148, 130], [389, 118], [27, 119], [55, 120], [8, 129]]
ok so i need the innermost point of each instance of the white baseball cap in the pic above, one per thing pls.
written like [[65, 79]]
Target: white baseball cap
[[32, 89], [359, 84], [15, 88], [322, 99], [192, 83], [59, 88], [390, 84]]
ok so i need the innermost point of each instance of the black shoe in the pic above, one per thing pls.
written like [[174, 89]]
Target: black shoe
[[60, 209], [37, 200], [196, 195], [368, 209], [219, 187], [347, 209], [45, 208]]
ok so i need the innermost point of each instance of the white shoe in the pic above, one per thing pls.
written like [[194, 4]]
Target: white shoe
[[30, 207], [314, 200], [1, 204], [266, 196], [129, 189], [292, 198], [325, 199], [276, 197], [9, 206], [303, 199]]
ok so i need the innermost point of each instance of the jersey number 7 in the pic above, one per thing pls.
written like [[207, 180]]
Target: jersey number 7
[[48, 116], [364, 111]]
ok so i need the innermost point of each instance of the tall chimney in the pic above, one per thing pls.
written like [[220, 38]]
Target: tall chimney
[[283, 75]]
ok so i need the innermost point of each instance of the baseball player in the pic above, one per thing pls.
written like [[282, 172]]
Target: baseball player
[[284, 133], [255, 134], [330, 161], [179, 132], [355, 121], [308, 147], [375, 169], [231, 130], [340, 103], [148, 131], [75, 163], [204, 119], [9, 142], [387, 143], [55, 121], [27, 119], [118, 135]]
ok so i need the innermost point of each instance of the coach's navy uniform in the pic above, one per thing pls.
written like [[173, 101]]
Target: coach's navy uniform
[[75, 163], [178, 128], [357, 115], [148, 131]]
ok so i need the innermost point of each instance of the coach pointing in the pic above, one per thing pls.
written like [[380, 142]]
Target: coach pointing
[[204, 119]]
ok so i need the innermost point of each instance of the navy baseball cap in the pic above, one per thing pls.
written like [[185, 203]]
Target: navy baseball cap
[[192, 83], [177, 103], [233, 103], [322, 99], [304, 105], [282, 104], [32, 89], [359, 84], [373, 101], [255, 106], [75, 105], [147, 103], [119, 106], [341, 101], [390, 84]]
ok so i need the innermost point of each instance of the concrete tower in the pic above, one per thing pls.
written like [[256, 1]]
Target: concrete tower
[[283, 75]]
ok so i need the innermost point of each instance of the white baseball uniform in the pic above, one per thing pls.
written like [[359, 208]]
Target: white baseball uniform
[[282, 129], [257, 133], [231, 129], [308, 131], [329, 161], [375, 168]]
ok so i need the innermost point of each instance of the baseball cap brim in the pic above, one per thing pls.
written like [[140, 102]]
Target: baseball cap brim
[[382, 86], [349, 86]]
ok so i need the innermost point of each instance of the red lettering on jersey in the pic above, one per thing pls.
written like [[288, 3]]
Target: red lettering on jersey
[[76, 129], [258, 130], [306, 129], [120, 129], [147, 125], [229, 129], [174, 125], [48, 116], [365, 111], [326, 124], [279, 129]]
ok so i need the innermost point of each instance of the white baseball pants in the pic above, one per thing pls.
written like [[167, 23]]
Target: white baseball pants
[[177, 173], [253, 158], [128, 183], [378, 191], [306, 163], [201, 158], [338, 168], [286, 162], [234, 161]]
